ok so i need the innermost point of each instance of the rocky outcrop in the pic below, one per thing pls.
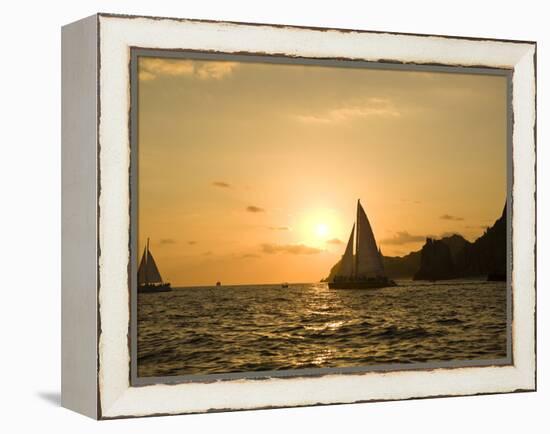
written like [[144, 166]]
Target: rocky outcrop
[[488, 254], [454, 257], [436, 261], [402, 267]]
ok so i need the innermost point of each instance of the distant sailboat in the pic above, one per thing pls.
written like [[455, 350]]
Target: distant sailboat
[[364, 269], [149, 278]]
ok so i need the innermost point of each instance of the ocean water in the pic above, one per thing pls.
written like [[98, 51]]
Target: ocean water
[[227, 329]]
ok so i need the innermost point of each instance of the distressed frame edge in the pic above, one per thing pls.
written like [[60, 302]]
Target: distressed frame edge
[[304, 27], [79, 271], [529, 50]]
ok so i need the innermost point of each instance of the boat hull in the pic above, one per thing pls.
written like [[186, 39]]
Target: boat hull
[[362, 284], [148, 289]]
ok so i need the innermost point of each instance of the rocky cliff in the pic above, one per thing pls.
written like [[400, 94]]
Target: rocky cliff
[[402, 267], [454, 257]]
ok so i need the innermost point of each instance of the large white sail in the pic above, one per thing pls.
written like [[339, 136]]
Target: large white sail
[[368, 262], [142, 270], [346, 265], [148, 271], [153, 274]]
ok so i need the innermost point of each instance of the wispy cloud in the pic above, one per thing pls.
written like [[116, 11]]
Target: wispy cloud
[[215, 70], [416, 202], [451, 218], [167, 241], [151, 68], [403, 237], [191, 242], [250, 256], [334, 241], [252, 208], [146, 75], [221, 184], [278, 228], [294, 249], [370, 107]]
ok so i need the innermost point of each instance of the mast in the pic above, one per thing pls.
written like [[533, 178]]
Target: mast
[[355, 268], [147, 262]]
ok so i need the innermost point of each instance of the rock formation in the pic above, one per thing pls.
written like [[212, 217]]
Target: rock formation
[[454, 257]]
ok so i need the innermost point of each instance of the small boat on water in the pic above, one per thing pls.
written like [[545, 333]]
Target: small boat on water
[[218, 283], [284, 285], [364, 269], [149, 278]]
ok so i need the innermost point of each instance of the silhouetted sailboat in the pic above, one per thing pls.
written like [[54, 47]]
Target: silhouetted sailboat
[[364, 269], [149, 278]]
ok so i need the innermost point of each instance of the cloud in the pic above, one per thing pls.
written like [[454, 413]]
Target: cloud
[[167, 241], [252, 208], [191, 242], [151, 68], [146, 75], [278, 228], [215, 70], [250, 255], [294, 249], [416, 202], [403, 237], [451, 218], [221, 184], [334, 241], [371, 107]]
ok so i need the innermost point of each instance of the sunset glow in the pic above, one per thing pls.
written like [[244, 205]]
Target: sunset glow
[[321, 230], [250, 172]]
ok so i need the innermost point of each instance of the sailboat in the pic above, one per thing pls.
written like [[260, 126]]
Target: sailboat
[[149, 278], [364, 269]]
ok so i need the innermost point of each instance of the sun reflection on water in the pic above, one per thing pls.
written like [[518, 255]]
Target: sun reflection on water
[[321, 358]]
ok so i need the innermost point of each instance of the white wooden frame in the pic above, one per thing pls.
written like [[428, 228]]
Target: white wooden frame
[[96, 219]]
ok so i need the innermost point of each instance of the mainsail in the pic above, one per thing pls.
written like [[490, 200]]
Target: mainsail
[[148, 271], [346, 266], [368, 262], [365, 269]]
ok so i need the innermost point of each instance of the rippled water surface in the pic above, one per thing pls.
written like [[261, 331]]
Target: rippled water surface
[[266, 327]]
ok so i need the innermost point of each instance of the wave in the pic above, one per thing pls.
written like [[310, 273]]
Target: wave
[[449, 321], [394, 332]]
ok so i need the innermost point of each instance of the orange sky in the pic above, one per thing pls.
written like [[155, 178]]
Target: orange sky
[[250, 172]]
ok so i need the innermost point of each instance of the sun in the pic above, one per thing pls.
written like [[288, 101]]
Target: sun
[[315, 227], [321, 230]]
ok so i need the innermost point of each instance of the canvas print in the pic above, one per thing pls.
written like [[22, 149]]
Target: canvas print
[[294, 217]]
